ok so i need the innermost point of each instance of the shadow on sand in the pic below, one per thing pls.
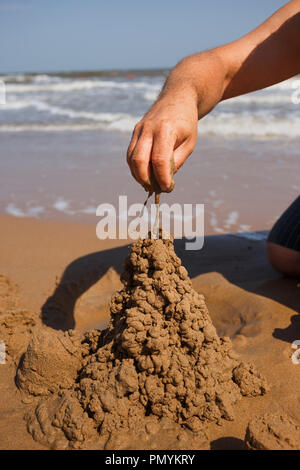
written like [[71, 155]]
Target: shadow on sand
[[241, 260]]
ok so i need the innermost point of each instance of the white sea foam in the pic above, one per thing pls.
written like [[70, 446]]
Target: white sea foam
[[15, 128], [221, 125], [62, 205], [31, 211], [78, 85], [244, 228], [216, 203], [258, 98], [231, 219], [250, 124], [285, 85], [255, 236], [254, 115], [89, 210], [151, 95], [56, 84], [214, 223], [15, 105], [118, 121], [12, 209], [56, 110], [35, 211], [44, 78]]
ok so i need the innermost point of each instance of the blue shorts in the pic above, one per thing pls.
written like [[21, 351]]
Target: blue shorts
[[286, 231]]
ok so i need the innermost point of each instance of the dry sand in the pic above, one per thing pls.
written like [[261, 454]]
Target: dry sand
[[57, 276]]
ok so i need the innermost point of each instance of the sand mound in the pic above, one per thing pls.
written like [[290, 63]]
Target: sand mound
[[159, 364], [273, 432], [9, 295], [51, 363], [16, 323]]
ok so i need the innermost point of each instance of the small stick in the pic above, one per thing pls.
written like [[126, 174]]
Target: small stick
[[155, 231], [145, 203], [152, 187], [156, 223]]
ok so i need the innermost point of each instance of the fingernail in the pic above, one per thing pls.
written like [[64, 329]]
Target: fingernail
[[171, 187]]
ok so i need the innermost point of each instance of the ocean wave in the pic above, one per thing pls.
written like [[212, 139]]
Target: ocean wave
[[150, 95], [221, 124], [43, 82], [259, 122], [78, 85], [289, 84], [15, 78], [66, 127], [254, 236], [72, 114], [260, 99], [119, 121], [29, 79], [249, 124], [36, 211], [278, 94], [257, 98], [15, 105], [33, 211], [44, 78]]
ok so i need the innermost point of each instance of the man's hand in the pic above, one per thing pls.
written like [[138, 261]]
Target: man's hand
[[168, 130], [267, 55]]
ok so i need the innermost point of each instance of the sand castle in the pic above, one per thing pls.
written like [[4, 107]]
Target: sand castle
[[159, 365]]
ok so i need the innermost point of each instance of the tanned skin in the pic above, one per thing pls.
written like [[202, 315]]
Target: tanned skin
[[267, 55]]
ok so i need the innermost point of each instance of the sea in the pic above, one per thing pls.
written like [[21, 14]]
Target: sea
[[64, 138]]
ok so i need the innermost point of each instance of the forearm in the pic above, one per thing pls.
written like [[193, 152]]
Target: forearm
[[266, 55], [200, 79], [168, 131]]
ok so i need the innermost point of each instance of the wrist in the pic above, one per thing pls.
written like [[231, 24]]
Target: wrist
[[182, 96], [198, 80]]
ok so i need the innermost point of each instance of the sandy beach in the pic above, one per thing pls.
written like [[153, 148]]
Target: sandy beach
[[58, 275], [149, 320]]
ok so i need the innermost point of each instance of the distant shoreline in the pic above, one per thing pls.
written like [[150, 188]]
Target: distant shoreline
[[94, 73]]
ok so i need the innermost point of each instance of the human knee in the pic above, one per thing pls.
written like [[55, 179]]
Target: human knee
[[284, 259]]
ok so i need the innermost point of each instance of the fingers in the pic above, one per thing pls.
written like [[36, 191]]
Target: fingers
[[162, 153], [183, 152], [159, 145], [138, 156], [134, 139]]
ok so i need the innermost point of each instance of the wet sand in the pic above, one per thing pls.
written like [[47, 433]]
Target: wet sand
[[60, 274], [244, 184]]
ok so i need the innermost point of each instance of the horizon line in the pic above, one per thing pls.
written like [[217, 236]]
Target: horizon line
[[91, 71]]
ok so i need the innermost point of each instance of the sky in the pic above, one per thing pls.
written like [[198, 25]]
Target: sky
[[65, 35]]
